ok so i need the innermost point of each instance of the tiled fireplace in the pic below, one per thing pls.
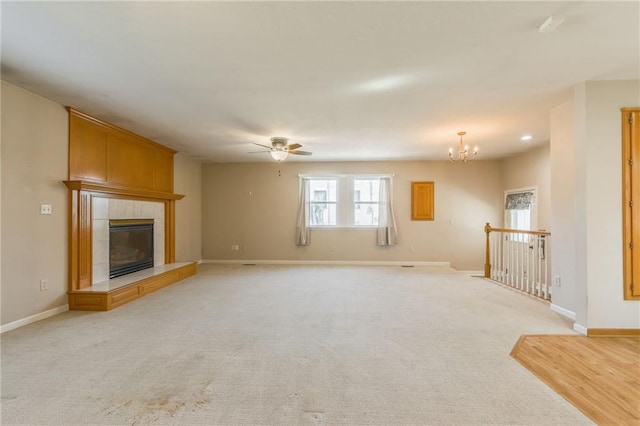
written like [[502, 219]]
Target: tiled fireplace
[[105, 209]]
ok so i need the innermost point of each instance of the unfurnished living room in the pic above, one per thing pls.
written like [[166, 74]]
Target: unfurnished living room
[[327, 212]]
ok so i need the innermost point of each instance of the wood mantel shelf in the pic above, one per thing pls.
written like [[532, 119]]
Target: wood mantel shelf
[[119, 291], [83, 185]]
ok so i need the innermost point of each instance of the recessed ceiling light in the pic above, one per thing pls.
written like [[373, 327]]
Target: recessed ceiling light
[[526, 138]]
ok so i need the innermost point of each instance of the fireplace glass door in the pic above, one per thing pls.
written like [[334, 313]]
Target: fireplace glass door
[[130, 246]]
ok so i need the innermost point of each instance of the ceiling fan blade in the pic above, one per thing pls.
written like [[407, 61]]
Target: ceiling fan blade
[[293, 146], [256, 152], [300, 152], [264, 146]]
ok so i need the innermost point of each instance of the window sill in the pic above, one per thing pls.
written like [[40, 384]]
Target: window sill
[[343, 228]]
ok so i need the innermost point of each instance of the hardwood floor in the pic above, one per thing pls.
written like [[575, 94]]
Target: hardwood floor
[[599, 375]]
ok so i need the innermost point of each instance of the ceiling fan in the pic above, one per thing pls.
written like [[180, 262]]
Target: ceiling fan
[[280, 148]]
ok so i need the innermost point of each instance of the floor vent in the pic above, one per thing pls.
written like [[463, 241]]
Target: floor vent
[[406, 266], [248, 264]]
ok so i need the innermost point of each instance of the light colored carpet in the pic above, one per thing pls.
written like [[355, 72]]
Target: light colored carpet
[[282, 345]]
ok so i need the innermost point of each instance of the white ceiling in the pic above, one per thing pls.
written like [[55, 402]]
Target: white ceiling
[[348, 80]]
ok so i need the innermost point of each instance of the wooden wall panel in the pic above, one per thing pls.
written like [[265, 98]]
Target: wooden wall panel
[[631, 202], [87, 150], [102, 152], [74, 235], [85, 246], [130, 162], [162, 162]]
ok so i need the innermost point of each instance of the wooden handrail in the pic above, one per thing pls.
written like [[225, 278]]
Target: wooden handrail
[[488, 229]]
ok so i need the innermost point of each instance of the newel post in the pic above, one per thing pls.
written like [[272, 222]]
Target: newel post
[[487, 260]]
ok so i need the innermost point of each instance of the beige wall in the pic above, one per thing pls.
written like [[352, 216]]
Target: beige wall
[[527, 170], [600, 145], [34, 164], [563, 206], [250, 205], [187, 180]]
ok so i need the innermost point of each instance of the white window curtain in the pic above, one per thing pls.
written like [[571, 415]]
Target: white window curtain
[[303, 233], [387, 229]]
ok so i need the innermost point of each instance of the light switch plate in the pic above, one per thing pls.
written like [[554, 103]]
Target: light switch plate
[[46, 209]]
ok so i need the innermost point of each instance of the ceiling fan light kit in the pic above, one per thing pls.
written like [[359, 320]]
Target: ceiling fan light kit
[[280, 149], [279, 155], [463, 151]]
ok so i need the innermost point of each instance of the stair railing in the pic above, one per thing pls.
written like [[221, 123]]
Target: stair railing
[[519, 259]]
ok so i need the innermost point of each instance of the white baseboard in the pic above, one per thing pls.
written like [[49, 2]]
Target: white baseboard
[[327, 262], [33, 318], [473, 273], [579, 329], [562, 311]]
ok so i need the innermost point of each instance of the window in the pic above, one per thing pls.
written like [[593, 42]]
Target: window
[[343, 201], [323, 202], [519, 211], [366, 198], [519, 219]]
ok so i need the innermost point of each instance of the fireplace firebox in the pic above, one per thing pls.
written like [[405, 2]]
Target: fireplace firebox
[[130, 246]]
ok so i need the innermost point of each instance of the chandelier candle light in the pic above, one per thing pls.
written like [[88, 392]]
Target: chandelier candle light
[[463, 151]]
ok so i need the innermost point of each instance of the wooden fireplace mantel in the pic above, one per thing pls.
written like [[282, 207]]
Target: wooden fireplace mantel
[[106, 161], [116, 190]]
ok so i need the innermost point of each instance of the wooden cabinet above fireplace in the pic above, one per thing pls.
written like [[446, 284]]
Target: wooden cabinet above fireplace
[[101, 152]]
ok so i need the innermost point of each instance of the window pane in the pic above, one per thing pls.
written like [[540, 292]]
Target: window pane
[[319, 195], [323, 194], [322, 214], [366, 190], [519, 219], [365, 214], [323, 190]]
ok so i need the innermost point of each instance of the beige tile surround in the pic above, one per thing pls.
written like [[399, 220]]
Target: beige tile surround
[[104, 209]]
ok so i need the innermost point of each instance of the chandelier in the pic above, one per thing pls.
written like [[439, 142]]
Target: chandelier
[[463, 151]]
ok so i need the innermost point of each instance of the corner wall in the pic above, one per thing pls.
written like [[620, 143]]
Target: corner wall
[[563, 206], [601, 144], [34, 164], [250, 205]]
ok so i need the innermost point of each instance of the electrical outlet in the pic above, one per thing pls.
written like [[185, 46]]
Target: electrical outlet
[[235, 247], [44, 285], [46, 209], [556, 280]]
